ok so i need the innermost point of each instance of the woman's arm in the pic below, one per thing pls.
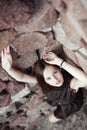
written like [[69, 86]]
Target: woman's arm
[[6, 60], [80, 77], [75, 71], [20, 76]]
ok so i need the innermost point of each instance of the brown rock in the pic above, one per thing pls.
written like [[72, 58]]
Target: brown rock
[[36, 100], [15, 12], [45, 16], [71, 56], [5, 98], [29, 42], [16, 119], [6, 37], [22, 58], [76, 9], [14, 87], [54, 46], [83, 24], [26, 60], [4, 75], [59, 5], [2, 86], [82, 60]]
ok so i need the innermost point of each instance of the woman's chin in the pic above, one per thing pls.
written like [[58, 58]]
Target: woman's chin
[[59, 84]]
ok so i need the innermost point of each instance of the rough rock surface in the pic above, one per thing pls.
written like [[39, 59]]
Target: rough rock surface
[[25, 25]]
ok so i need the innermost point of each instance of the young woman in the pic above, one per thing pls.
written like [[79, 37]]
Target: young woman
[[61, 82]]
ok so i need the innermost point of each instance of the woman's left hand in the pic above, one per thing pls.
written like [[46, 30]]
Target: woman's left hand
[[51, 58], [6, 59]]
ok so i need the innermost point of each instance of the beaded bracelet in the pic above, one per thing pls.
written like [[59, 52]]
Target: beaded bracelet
[[62, 63]]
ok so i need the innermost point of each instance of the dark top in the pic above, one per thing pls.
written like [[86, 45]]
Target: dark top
[[66, 101]]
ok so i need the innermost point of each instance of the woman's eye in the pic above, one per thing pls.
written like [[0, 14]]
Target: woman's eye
[[48, 78], [55, 71]]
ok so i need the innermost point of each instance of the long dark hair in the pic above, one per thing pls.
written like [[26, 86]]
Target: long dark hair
[[39, 67]]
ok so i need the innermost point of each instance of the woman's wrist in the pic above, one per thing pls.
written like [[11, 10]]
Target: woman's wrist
[[61, 64], [9, 69], [64, 64]]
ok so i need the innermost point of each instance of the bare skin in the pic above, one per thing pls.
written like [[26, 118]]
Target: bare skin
[[51, 74], [80, 77], [6, 60]]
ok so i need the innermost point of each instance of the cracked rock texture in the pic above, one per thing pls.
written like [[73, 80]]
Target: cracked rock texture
[[25, 25]]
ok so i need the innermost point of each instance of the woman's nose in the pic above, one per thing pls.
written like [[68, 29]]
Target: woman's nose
[[55, 79]]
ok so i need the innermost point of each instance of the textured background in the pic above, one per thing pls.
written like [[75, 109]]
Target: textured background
[[25, 26]]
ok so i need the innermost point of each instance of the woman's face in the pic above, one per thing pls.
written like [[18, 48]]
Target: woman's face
[[53, 76]]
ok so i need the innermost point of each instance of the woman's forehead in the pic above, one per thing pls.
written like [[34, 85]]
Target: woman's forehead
[[48, 70]]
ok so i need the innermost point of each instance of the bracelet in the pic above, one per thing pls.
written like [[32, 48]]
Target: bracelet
[[62, 63]]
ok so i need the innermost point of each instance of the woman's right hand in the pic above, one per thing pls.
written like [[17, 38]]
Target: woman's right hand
[[52, 58], [6, 59]]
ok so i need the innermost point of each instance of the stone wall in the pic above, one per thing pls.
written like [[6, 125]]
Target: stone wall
[[25, 25]]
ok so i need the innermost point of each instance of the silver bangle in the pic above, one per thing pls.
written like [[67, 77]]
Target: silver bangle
[[62, 63]]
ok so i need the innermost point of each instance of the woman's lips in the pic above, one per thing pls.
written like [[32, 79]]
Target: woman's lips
[[58, 82]]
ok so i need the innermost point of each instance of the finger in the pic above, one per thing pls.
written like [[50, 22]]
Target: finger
[[50, 52], [49, 59], [45, 57], [5, 50], [2, 55], [48, 55], [8, 49]]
